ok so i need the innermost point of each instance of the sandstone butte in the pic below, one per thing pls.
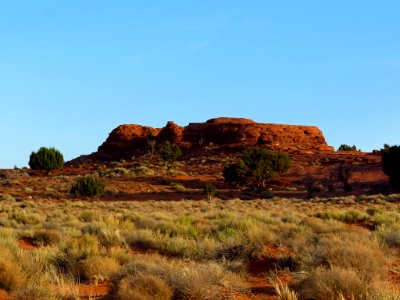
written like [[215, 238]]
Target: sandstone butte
[[130, 140]]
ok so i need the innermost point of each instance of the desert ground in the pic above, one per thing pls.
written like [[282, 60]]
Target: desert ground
[[153, 234]]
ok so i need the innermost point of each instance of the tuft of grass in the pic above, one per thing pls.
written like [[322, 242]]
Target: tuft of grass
[[97, 268], [82, 247], [178, 187], [283, 292], [328, 284], [46, 237], [7, 197], [12, 275], [143, 286]]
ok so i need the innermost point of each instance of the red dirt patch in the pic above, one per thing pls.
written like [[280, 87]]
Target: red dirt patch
[[94, 291], [4, 295], [26, 244], [257, 270]]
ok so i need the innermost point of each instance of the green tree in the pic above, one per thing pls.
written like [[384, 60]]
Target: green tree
[[88, 186], [170, 151], [46, 159], [345, 147], [391, 165], [257, 166]]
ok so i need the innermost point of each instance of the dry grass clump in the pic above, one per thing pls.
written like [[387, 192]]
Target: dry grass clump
[[143, 287], [389, 234], [82, 247], [36, 292], [188, 280], [11, 274], [283, 292], [98, 268], [88, 216], [46, 237], [349, 251], [199, 249], [341, 284], [328, 284]]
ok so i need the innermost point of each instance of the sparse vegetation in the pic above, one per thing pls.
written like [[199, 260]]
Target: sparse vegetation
[[328, 247], [46, 159], [200, 249]]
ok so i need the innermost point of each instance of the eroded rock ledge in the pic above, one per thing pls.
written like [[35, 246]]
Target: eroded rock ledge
[[129, 140]]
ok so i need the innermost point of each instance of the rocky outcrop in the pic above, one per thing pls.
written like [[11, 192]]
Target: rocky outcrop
[[126, 141], [129, 140]]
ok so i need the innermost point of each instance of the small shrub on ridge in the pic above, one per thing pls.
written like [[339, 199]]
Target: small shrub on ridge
[[46, 159]]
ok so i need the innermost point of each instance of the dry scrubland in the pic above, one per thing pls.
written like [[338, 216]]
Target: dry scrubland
[[122, 245], [333, 248]]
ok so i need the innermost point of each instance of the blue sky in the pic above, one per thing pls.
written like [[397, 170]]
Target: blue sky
[[71, 71]]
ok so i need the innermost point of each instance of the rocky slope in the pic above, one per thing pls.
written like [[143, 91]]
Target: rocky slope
[[130, 140]]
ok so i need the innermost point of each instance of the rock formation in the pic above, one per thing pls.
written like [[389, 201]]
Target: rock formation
[[130, 140]]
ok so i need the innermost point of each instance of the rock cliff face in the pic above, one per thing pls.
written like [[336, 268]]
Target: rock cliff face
[[129, 140]]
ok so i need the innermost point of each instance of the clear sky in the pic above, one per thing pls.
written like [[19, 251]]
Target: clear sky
[[71, 71]]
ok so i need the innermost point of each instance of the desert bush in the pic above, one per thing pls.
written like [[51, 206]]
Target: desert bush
[[82, 247], [178, 187], [309, 185], [344, 175], [389, 234], [46, 237], [345, 147], [143, 170], [328, 284], [350, 251], [97, 267], [210, 189], [89, 216], [11, 274], [143, 287], [88, 186], [111, 237], [257, 166], [189, 280], [391, 165], [115, 172], [46, 159], [22, 217], [170, 151], [7, 197]]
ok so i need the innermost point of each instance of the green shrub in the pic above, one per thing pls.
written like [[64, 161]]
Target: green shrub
[[235, 172], [345, 147], [257, 166], [391, 165], [88, 186], [170, 151], [46, 159], [210, 189], [178, 187]]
